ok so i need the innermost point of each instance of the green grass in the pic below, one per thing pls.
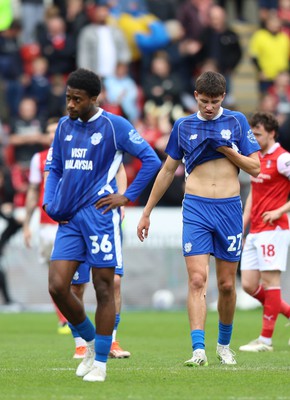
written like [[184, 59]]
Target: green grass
[[36, 363]]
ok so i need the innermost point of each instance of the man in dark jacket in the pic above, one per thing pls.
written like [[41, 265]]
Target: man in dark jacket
[[223, 47]]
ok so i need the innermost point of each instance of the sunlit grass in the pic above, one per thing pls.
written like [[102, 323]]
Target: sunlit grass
[[36, 362]]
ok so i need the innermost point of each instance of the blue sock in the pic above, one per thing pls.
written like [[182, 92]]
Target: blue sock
[[102, 347], [225, 333], [197, 339], [73, 330], [86, 330], [117, 321]]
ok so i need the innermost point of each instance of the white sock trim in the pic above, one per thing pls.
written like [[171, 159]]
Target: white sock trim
[[101, 365]]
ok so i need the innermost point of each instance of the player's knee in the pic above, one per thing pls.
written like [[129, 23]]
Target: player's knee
[[56, 288], [104, 297], [248, 286], [226, 287], [104, 292], [197, 282]]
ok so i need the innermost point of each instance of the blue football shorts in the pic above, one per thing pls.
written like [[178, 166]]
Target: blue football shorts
[[91, 237], [82, 274], [212, 226]]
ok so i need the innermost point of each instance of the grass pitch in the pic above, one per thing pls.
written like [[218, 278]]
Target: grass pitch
[[36, 363]]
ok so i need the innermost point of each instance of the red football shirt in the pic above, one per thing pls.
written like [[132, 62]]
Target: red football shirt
[[270, 189], [36, 176]]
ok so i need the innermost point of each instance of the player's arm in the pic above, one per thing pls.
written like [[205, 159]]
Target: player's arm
[[150, 165], [115, 200], [45, 176], [273, 215], [55, 168], [161, 184], [32, 196], [136, 146], [31, 203], [249, 164], [20, 140], [121, 178], [247, 212], [283, 166]]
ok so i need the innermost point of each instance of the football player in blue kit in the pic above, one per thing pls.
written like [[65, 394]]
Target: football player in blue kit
[[82, 277], [214, 144], [81, 194]]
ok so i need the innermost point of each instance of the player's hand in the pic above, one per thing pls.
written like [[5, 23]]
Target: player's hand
[[222, 149], [225, 149], [270, 216], [114, 200], [60, 222], [143, 228]]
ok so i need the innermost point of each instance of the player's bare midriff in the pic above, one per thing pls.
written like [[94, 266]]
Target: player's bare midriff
[[214, 179]]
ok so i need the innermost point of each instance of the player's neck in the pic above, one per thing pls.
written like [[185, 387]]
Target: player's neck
[[268, 147]]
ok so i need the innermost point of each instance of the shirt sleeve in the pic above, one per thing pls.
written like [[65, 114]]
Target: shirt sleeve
[[283, 164], [129, 140], [54, 166], [248, 143], [173, 148], [35, 175]]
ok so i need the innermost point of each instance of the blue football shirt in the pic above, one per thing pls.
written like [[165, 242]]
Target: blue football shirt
[[84, 159], [194, 139]]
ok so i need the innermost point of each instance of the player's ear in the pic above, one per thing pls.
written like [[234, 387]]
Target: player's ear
[[94, 100]]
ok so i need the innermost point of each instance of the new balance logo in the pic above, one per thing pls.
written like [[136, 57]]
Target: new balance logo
[[68, 138], [192, 137], [108, 257]]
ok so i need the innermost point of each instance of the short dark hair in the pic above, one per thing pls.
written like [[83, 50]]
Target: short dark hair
[[86, 80], [266, 119], [211, 83]]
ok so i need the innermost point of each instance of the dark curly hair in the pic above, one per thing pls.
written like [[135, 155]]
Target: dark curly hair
[[266, 119], [86, 80]]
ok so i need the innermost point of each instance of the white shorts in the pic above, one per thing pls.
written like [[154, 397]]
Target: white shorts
[[46, 241], [266, 251]]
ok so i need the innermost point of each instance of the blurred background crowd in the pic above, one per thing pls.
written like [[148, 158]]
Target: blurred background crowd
[[148, 54]]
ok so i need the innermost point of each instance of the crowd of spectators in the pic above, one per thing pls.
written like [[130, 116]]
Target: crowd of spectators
[[148, 54]]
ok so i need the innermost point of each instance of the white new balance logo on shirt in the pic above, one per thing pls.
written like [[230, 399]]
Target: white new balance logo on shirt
[[68, 138], [192, 137]]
